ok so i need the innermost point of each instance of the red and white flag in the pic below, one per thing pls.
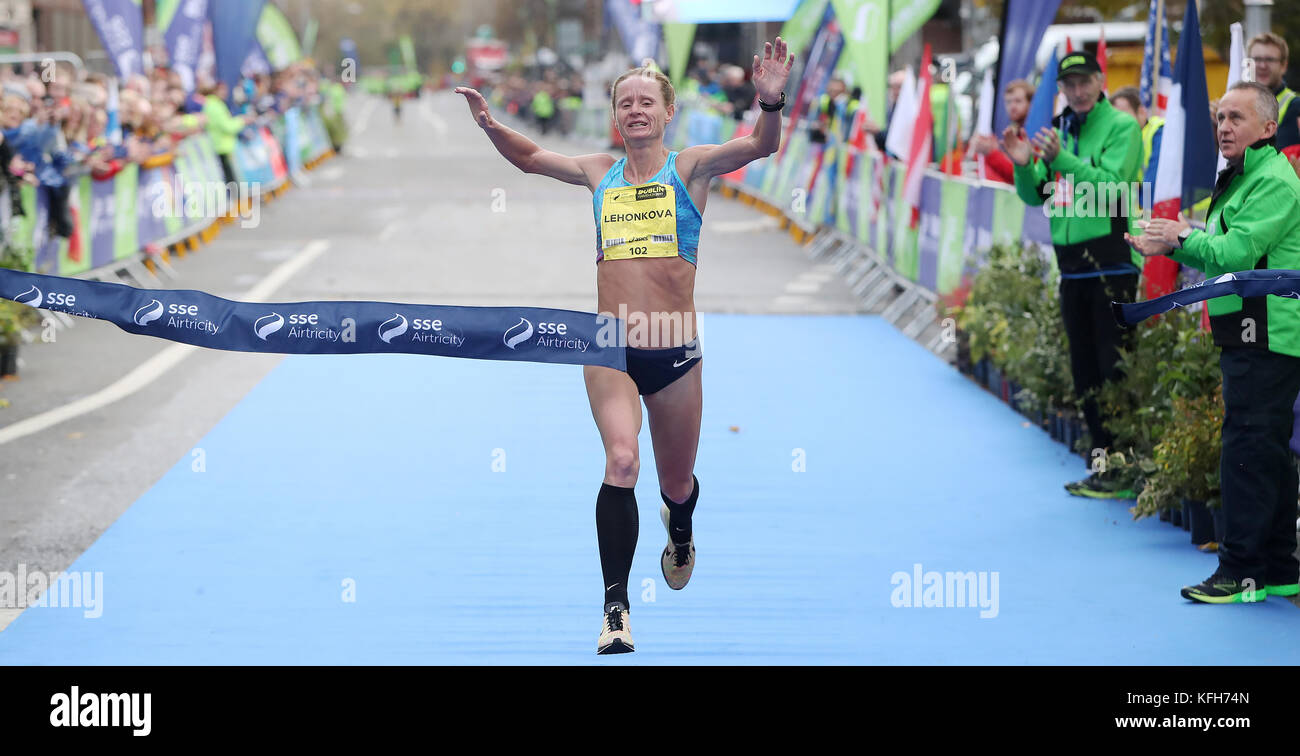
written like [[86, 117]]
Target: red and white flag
[[922, 144]]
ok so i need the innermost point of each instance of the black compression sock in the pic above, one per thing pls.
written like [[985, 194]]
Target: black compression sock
[[616, 530], [679, 515]]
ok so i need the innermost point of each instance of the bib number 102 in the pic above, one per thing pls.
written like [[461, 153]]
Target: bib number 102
[[638, 250]]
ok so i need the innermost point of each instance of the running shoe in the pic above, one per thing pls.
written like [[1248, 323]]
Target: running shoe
[[677, 561], [615, 632], [1282, 589], [1099, 486], [1221, 589]]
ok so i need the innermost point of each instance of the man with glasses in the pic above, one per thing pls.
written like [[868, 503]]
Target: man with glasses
[[1269, 52]]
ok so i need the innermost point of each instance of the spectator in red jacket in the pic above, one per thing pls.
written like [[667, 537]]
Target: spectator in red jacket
[[997, 166]]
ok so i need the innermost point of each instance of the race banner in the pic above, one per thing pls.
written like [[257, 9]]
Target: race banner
[[526, 334], [183, 21], [1247, 283], [120, 26]]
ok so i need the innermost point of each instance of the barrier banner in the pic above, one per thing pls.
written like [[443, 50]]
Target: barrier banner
[[279, 169], [74, 253], [527, 334], [954, 204], [979, 227], [252, 161], [931, 226], [125, 229], [292, 141], [154, 205], [102, 212], [1037, 227], [1008, 218]]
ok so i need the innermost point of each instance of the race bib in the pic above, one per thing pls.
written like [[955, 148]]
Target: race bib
[[639, 221]]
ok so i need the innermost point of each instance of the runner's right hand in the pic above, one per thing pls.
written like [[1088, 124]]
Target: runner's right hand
[[478, 106]]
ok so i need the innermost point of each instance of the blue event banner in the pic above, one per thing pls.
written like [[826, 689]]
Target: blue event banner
[[1248, 283], [526, 334]]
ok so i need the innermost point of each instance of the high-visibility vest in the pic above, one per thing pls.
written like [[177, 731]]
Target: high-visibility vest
[[1148, 137], [1284, 99]]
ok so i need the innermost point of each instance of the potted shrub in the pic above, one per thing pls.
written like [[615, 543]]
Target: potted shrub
[[1186, 466], [1169, 357], [14, 317]]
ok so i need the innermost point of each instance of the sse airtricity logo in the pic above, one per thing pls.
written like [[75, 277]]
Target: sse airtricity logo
[[518, 333], [32, 296], [149, 313], [267, 325], [392, 328]]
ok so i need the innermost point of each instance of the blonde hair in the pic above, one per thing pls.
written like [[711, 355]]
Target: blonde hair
[[1023, 86], [665, 86], [1269, 38]]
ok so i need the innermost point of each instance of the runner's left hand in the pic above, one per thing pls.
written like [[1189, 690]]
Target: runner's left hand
[[773, 71]]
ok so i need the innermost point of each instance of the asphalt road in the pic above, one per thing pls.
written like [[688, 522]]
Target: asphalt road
[[419, 211]]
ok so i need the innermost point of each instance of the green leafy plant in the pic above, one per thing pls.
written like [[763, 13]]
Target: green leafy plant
[[14, 317], [1170, 358], [1186, 461], [1012, 316]]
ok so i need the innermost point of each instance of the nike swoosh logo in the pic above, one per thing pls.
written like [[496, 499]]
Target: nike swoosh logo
[[683, 362], [610, 586]]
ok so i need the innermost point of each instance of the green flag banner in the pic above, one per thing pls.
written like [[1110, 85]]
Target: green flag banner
[[309, 37], [164, 11], [678, 38], [1008, 217], [278, 38], [126, 225], [408, 53], [952, 233], [798, 31], [862, 23], [907, 17]]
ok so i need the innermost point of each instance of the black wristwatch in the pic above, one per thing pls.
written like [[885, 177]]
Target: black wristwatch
[[773, 107]]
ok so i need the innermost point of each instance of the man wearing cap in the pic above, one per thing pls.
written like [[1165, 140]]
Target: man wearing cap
[[1083, 168], [1254, 223]]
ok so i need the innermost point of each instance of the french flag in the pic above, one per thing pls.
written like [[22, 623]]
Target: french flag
[[1185, 174]]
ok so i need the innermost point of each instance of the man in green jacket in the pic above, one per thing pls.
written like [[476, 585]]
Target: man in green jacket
[[1082, 173], [1254, 223]]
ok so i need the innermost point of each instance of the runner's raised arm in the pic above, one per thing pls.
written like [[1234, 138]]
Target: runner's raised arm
[[527, 156]]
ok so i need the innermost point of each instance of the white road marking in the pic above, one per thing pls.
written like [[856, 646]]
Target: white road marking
[[389, 232], [364, 121], [803, 287], [746, 226], [438, 123], [158, 365]]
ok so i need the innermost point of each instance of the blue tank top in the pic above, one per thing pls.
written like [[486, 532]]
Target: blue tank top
[[654, 219]]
